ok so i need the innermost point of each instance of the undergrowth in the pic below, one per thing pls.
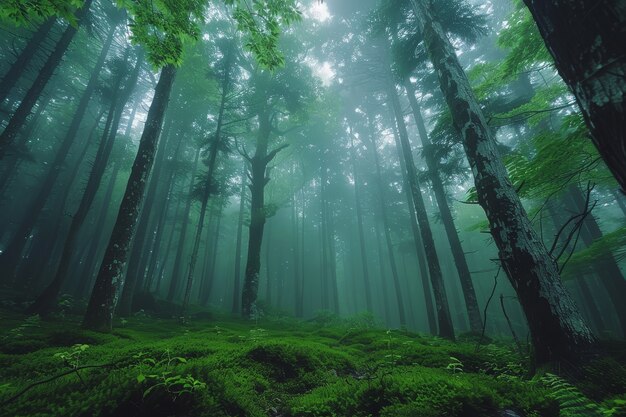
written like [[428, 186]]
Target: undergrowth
[[276, 367]]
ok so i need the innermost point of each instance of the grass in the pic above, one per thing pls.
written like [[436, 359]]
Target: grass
[[283, 367]]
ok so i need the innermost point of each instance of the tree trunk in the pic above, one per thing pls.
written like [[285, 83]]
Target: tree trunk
[[176, 272], [258, 180], [469, 294], [295, 269], [11, 257], [23, 111], [209, 277], [387, 233], [110, 280], [557, 328], [47, 299], [23, 59], [85, 275], [359, 219], [138, 254], [586, 40], [436, 278], [242, 205], [415, 231], [607, 268]]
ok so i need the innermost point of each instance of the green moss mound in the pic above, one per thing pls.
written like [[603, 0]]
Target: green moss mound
[[227, 367]]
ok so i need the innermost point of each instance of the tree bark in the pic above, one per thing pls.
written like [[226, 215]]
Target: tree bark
[[47, 299], [586, 40], [359, 218], [387, 233], [469, 294], [444, 319], [110, 280], [259, 177], [24, 109], [23, 59], [242, 205], [10, 258], [557, 328], [419, 246], [176, 272]]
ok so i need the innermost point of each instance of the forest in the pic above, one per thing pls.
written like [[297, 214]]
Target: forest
[[291, 208]]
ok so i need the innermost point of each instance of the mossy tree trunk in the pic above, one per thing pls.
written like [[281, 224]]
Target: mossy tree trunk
[[110, 280], [557, 328]]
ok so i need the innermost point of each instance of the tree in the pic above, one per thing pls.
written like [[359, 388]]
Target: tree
[[587, 44], [557, 329], [18, 119]]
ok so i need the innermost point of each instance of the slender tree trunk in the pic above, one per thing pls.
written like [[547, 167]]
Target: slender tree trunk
[[332, 258], [11, 166], [434, 268], [47, 299], [415, 231], [210, 275], [359, 219], [10, 258], [110, 280], [85, 274], [268, 288], [24, 109], [137, 256], [469, 294], [587, 41], [176, 272], [382, 278], [557, 328], [607, 268], [24, 58], [387, 233], [295, 270], [242, 205]]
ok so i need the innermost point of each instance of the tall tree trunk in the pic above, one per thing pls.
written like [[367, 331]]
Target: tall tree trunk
[[110, 280], [469, 294], [557, 329], [387, 233], [444, 319], [145, 237], [359, 220], [10, 258], [138, 253], [258, 180], [47, 299], [607, 268], [268, 288], [295, 269], [587, 41], [209, 277], [85, 273], [10, 166], [176, 272], [23, 111], [242, 205], [23, 59], [417, 239], [332, 258]]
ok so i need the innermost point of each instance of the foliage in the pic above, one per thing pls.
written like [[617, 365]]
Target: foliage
[[573, 403], [25, 12], [261, 21], [611, 244]]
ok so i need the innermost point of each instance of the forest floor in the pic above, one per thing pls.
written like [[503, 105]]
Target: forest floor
[[219, 366]]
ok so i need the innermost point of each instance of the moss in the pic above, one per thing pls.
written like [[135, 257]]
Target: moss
[[274, 368]]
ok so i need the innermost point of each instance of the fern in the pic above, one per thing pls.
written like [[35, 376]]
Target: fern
[[573, 403]]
